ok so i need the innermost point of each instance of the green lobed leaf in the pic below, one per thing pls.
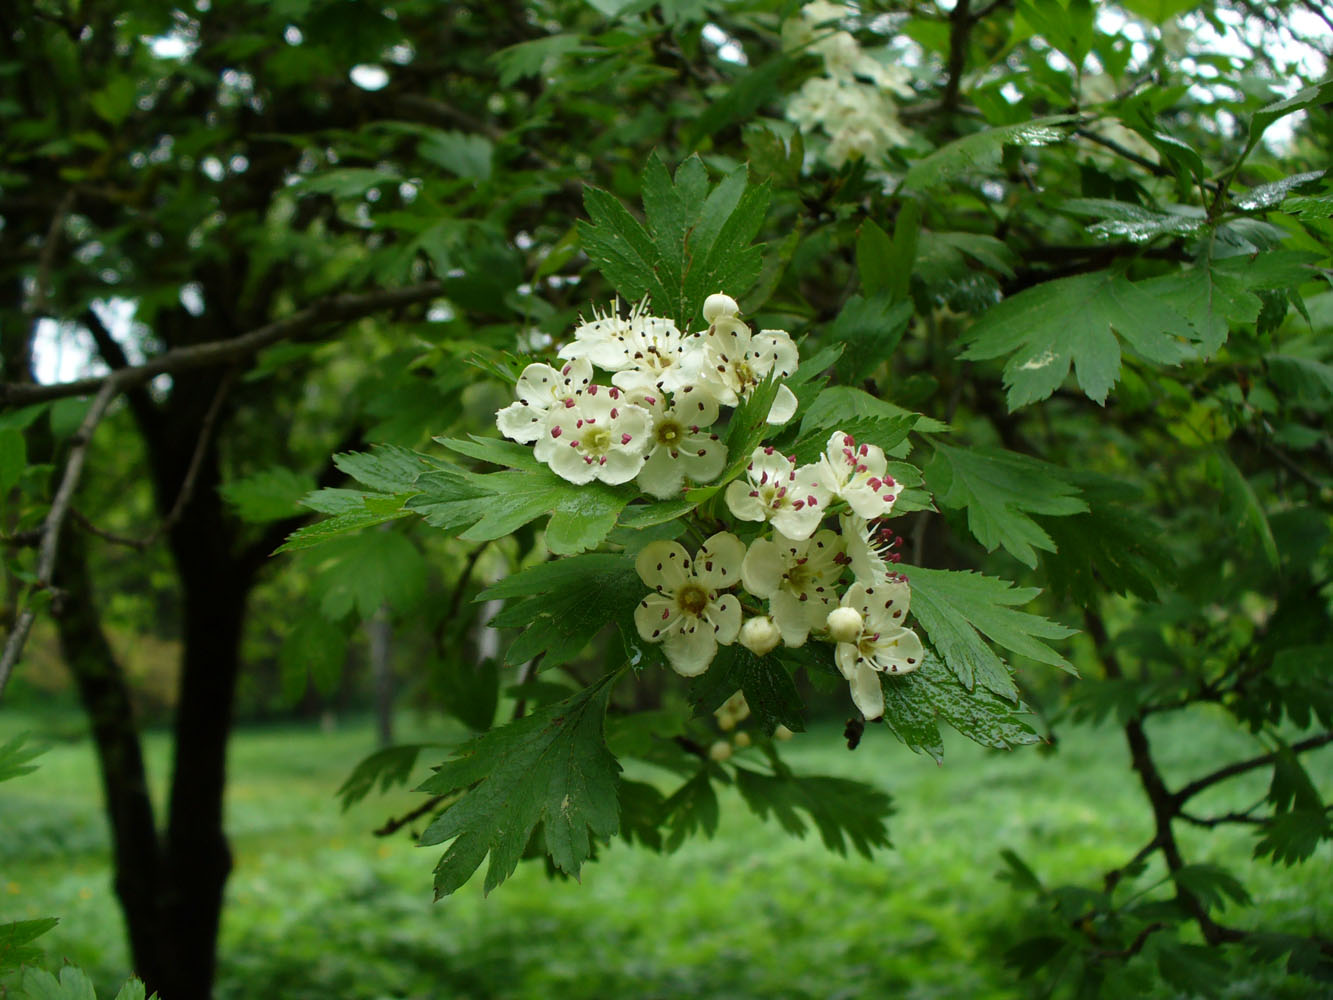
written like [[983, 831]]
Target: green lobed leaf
[[562, 604], [363, 572], [766, 682], [482, 507], [956, 608], [980, 151], [13, 458], [692, 808], [1319, 93], [870, 330], [1242, 504], [389, 768], [550, 768], [16, 757], [387, 468], [843, 811], [16, 938], [267, 495], [976, 713], [314, 649], [1209, 299], [999, 489], [1080, 322]]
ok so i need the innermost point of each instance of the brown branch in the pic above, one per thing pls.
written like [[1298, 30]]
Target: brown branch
[[55, 519], [220, 352], [1136, 945], [1240, 767], [46, 259], [187, 484], [394, 824], [959, 32]]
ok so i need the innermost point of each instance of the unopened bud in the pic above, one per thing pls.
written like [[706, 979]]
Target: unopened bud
[[741, 739], [718, 304], [844, 624], [719, 751], [782, 733], [760, 636]]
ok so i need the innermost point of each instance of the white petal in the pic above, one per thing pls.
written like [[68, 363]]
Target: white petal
[[762, 570], [691, 649], [567, 463], [520, 423], [725, 614], [718, 563], [784, 406], [620, 466], [661, 475], [664, 566], [899, 653], [888, 604], [538, 385], [776, 348], [867, 694], [792, 616], [653, 617], [797, 525], [702, 457], [845, 656], [741, 504]]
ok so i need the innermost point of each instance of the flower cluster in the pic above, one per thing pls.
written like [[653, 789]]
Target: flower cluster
[[833, 583], [852, 101], [653, 423], [818, 561]]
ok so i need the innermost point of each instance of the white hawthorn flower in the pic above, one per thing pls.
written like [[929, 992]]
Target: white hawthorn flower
[[869, 549], [540, 391], [681, 443], [882, 644], [798, 579], [600, 435], [641, 350], [732, 362], [859, 475], [760, 636], [688, 613], [774, 490]]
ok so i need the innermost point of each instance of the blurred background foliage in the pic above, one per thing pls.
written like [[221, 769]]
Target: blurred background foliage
[[401, 183]]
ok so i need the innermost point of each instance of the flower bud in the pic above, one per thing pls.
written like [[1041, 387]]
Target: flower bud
[[782, 733], [719, 751], [844, 624], [741, 739], [718, 304], [760, 636]]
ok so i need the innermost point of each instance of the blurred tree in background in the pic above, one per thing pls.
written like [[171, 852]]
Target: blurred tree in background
[[1088, 244]]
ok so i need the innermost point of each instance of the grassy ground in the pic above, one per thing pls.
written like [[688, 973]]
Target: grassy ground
[[319, 908]]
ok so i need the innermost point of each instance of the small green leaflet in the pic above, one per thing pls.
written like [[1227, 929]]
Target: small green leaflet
[[1076, 321], [1134, 222], [1242, 503], [1000, 489], [913, 703], [954, 606], [766, 682], [481, 507], [1320, 93], [1268, 195], [530, 58], [841, 809], [13, 458], [980, 151], [696, 242], [366, 571], [564, 603], [550, 768]]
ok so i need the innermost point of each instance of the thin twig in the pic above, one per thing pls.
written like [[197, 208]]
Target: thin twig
[[187, 484], [220, 352], [55, 519], [1240, 767], [960, 29], [394, 824]]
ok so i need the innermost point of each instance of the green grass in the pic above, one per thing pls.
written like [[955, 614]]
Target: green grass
[[317, 907]]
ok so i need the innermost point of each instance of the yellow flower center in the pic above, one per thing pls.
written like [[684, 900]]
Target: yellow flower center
[[692, 599], [597, 441]]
